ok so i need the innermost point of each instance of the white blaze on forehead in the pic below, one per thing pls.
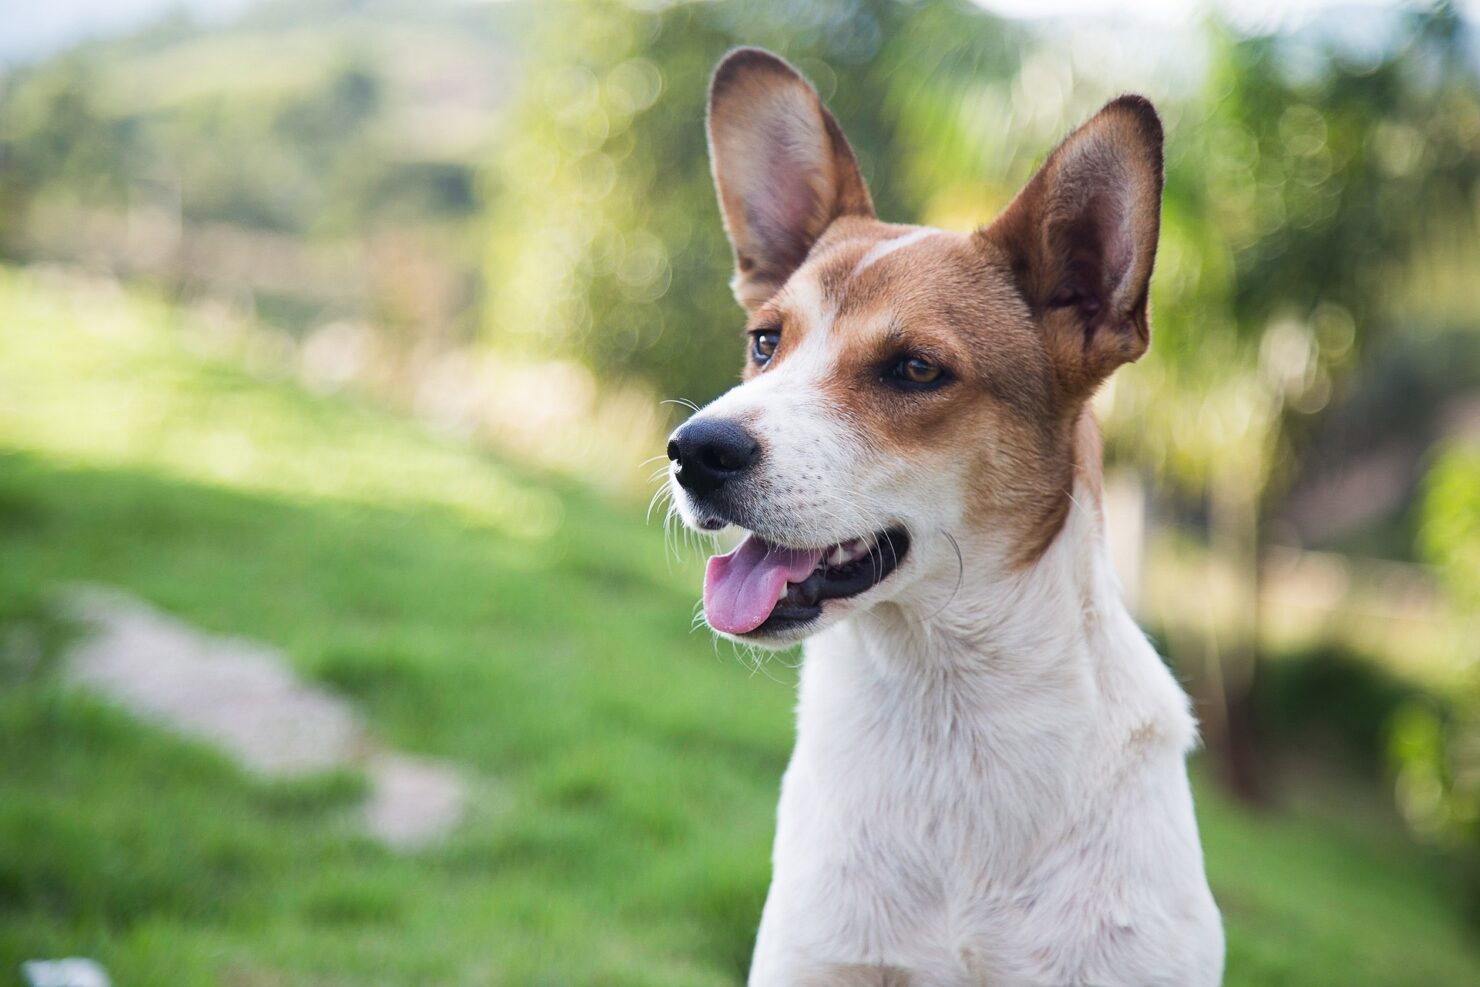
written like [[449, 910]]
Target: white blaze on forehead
[[881, 250], [804, 295]]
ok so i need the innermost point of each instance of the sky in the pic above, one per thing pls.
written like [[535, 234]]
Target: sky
[[1250, 15], [36, 28]]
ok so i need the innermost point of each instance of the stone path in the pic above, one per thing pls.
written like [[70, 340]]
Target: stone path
[[243, 697]]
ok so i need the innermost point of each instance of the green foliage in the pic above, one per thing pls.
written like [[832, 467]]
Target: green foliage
[[1436, 750], [1332, 700], [1450, 535]]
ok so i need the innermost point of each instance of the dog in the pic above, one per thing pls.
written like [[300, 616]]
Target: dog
[[989, 781]]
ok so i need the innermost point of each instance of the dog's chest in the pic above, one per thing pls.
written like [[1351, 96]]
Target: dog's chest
[[938, 824], [925, 781], [959, 757]]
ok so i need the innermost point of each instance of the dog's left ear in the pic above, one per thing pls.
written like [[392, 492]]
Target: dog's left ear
[[1081, 239]]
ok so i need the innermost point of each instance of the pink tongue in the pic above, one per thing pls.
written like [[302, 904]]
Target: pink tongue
[[741, 589]]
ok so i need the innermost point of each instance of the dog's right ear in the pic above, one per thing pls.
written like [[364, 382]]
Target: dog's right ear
[[782, 168]]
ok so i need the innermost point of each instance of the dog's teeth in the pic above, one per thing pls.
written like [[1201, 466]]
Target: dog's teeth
[[781, 593], [857, 549], [838, 555]]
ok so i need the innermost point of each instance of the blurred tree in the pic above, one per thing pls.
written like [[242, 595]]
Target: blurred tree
[[53, 134], [1300, 185]]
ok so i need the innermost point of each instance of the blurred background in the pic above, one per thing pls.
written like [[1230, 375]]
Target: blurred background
[[335, 644]]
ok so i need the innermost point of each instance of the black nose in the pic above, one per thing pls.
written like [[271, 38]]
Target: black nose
[[709, 452]]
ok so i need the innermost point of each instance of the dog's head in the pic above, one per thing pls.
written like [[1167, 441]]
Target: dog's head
[[902, 385]]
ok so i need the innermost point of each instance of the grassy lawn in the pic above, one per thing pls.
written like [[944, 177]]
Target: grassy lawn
[[625, 769]]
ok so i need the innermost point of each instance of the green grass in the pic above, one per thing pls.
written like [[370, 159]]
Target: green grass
[[626, 770]]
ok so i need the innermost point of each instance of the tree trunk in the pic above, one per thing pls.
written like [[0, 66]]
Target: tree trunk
[[1232, 652]]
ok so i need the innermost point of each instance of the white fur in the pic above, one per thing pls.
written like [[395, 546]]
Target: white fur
[[988, 785], [879, 251]]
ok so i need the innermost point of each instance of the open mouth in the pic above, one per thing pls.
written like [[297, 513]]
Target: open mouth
[[769, 588]]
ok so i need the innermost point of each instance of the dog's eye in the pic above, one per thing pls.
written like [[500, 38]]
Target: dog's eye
[[763, 346], [912, 371], [919, 371]]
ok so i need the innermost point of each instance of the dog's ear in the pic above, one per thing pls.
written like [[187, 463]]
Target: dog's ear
[[1081, 238], [782, 168]]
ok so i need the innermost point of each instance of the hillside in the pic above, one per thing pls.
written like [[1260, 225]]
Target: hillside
[[625, 769]]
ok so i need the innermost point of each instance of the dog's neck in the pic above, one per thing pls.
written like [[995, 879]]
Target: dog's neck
[[983, 615], [1043, 665]]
